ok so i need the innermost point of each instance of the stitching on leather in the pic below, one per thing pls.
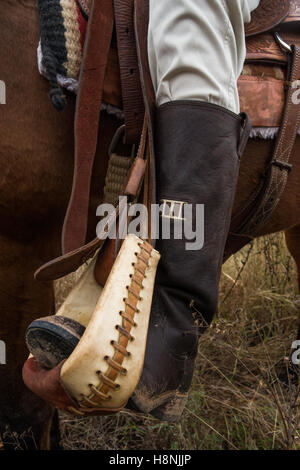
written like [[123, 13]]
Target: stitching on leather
[[108, 384]]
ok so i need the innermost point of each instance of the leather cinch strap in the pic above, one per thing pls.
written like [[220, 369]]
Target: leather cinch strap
[[132, 97], [87, 116], [98, 41]]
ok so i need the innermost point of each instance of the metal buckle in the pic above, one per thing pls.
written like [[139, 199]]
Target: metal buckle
[[283, 165], [284, 46], [173, 209], [119, 134]]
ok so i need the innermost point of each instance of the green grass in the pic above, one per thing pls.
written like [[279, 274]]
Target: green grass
[[236, 401]]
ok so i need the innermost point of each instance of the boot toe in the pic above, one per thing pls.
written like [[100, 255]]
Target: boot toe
[[52, 339]]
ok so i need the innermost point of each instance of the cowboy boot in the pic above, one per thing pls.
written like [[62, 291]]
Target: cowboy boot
[[198, 147]]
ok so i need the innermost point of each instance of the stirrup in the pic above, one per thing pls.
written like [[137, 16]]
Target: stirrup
[[105, 367]]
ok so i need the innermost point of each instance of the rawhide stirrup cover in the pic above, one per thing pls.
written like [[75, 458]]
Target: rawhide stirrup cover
[[104, 369]]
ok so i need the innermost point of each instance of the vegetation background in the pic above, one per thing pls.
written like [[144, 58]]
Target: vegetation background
[[237, 400]]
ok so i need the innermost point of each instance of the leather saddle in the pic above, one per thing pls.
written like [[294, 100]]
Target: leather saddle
[[115, 68], [268, 15]]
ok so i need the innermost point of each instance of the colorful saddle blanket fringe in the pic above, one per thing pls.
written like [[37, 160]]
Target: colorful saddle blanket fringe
[[63, 25]]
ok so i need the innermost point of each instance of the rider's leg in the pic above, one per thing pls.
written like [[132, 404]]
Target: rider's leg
[[196, 53], [197, 49]]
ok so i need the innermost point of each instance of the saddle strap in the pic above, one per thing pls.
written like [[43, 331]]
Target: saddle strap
[[132, 97], [279, 168], [141, 24], [94, 64]]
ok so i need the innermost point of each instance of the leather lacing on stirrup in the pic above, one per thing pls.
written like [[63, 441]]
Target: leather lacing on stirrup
[[108, 383]]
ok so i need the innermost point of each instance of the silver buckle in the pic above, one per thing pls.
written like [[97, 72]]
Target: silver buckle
[[117, 138], [282, 43], [172, 209]]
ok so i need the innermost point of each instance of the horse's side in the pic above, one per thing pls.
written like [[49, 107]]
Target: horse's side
[[36, 160]]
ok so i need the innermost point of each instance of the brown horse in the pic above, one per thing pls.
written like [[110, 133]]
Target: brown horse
[[36, 156]]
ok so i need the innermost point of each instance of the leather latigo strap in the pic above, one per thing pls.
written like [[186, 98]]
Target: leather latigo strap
[[89, 99], [133, 105], [265, 200], [141, 23], [96, 53], [106, 257], [71, 261]]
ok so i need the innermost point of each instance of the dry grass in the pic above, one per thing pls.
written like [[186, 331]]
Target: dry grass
[[236, 401]]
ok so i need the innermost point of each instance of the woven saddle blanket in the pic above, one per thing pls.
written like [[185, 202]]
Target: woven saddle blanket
[[63, 25]]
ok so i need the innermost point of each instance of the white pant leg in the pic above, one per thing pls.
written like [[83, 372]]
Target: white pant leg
[[196, 49]]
